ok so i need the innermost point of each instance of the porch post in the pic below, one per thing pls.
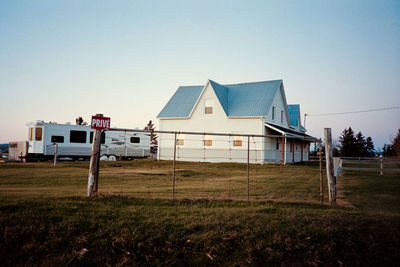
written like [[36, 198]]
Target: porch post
[[302, 144], [285, 151], [292, 150]]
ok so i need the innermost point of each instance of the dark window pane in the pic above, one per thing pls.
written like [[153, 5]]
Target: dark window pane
[[77, 137], [57, 139], [135, 140], [102, 140]]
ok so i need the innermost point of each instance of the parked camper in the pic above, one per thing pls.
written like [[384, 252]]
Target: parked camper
[[75, 141]]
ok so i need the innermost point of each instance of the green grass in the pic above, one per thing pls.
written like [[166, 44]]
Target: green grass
[[47, 220]]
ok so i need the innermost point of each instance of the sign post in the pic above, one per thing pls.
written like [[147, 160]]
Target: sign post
[[98, 123]]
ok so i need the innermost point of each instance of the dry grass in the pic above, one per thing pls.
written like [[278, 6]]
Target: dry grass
[[47, 220]]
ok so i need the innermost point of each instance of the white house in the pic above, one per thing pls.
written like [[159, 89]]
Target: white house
[[257, 108]]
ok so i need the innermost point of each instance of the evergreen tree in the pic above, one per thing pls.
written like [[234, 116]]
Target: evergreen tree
[[387, 150], [370, 147], [153, 137], [347, 143], [361, 145], [396, 144]]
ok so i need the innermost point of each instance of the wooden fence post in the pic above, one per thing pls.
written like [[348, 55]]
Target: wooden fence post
[[173, 177], [381, 166], [94, 158], [55, 154], [248, 168], [329, 165], [321, 181]]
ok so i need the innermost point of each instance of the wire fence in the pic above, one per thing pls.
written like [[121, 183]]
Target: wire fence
[[221, 174]]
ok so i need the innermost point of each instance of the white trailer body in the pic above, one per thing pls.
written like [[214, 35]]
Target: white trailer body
[[76, 141]]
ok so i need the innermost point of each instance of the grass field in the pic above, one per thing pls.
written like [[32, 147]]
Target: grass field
[[47, 220]]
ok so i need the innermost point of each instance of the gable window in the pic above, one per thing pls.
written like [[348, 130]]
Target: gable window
[[273, 113], [38, 134], [207, 140], [237, 141], [180, 140], [208, 109], [281, 116]]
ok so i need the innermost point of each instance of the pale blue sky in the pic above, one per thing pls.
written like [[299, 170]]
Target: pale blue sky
[[125, 59]]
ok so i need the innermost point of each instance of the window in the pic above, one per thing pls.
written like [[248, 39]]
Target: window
[[237, 141], [281, 116], [30, 134], [180, 140], [38, 134], [208, 106], [207, 140], [102, 138], [57, 139], [277, 144], [77, 136], [273, 113], [135, 140]]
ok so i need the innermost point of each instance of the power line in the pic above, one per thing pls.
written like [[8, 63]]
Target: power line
[[350, 112]]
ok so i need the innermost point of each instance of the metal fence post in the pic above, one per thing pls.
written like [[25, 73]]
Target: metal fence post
[[173, 181]]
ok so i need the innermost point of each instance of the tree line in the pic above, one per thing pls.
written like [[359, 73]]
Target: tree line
[[351, 144]]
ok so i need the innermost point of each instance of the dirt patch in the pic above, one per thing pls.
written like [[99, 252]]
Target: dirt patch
[[341, 194]]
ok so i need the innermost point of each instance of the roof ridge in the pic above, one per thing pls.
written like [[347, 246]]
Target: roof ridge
[[252, 82]]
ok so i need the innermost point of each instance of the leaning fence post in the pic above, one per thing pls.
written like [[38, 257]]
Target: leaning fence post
[[248, 168], [94, 158], [321, 182], [329, 165], [55, 154], [381, 165], [173, 179]]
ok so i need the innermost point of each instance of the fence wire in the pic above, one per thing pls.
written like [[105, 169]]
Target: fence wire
[[178, 173]]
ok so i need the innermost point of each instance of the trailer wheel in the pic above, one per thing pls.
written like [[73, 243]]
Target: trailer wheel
[[112, 158]]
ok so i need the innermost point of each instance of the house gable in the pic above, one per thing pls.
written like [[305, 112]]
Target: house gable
[[279, 108], [208, 98]]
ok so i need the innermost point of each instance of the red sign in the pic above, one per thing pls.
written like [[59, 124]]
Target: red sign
[[100, 123]]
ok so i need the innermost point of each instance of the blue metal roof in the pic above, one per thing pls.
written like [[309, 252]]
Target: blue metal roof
[[237, 100], [181, 103], [294, 113]]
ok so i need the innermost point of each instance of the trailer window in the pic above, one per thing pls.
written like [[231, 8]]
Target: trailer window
[[102, 138], [38, 134], [57, 139], [135, 140], [77, 137], [30, 134]]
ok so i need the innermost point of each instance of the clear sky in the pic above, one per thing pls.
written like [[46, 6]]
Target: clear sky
[[64, 59]]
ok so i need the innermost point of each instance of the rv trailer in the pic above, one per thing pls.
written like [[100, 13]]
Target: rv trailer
[[75, 141]]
